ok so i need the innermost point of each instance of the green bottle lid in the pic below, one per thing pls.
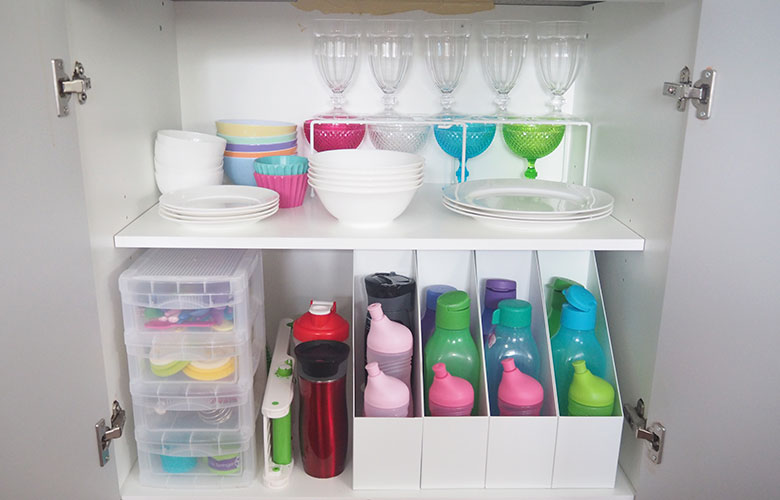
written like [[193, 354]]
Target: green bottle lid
[[512, 313], [589, 395], [558, 286], [453, 311]]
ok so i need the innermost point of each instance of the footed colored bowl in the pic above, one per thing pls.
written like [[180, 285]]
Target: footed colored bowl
[[328, 136]]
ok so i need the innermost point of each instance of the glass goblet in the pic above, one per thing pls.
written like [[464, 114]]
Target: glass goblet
[[503, 52], [336, 51], [560, 47], [389, 54], [446, 46], [532, 142]]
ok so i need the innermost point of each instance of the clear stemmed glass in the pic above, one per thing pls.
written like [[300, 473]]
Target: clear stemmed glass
[[446, 47], [389, 54], [503, 51], [336, 50], [560, 47]]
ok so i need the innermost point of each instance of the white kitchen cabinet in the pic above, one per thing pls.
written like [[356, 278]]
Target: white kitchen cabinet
[[688, 264]]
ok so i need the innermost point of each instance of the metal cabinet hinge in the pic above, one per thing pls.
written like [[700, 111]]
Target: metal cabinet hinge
[[653, 434], [106, 434], [699, 93], [65, 86]]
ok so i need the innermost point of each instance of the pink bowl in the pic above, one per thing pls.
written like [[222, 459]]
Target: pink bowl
[[329, 136], [291, 188]]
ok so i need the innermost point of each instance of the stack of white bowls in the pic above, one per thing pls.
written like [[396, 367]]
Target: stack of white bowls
[[365, 187], [187, 159]]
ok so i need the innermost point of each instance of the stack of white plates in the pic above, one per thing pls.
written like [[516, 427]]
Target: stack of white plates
[[523, 202], [219, 205], [365, 187]]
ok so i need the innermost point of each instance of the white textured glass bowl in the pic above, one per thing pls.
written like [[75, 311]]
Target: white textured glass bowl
[[337, 51], [504, 46], [446, 47], [390, 50], [405, 137], [560, 49]]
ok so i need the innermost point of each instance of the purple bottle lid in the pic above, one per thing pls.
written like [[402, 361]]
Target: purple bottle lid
[[497, 290]]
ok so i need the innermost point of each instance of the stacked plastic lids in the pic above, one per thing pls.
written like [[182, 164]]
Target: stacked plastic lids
[[248, 140], [219, 205]]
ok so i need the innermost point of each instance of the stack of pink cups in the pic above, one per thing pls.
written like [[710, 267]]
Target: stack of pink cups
[[287, 175]]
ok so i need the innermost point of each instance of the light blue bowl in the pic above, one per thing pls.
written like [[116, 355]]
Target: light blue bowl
[[252, 141], [479, 136], [282, 165], [240, 170]]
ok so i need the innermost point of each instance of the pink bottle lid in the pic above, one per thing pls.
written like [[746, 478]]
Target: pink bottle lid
[[384, 391], [518, 389], [385, 335], [449, 391]]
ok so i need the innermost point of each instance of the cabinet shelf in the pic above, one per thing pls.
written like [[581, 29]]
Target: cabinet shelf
[[303, 487], [426, 225]]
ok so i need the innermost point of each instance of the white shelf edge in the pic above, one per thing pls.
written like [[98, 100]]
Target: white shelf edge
[[426, 225], [303, 487]]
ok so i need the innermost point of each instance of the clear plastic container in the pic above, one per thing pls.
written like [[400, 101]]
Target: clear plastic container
[[199, 465], [200, 292]]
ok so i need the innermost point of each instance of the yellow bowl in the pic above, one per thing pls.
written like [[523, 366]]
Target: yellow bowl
[[254, 128]]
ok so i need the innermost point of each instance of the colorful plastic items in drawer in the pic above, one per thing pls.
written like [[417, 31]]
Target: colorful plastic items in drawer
[[165, 365], [217, 319]]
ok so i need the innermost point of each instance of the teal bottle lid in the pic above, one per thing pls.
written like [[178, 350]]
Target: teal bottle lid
[[453, 311], [512, 313], [558, 286], [579, 313]]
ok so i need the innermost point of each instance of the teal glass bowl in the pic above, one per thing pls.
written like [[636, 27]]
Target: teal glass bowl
[[479, 136]]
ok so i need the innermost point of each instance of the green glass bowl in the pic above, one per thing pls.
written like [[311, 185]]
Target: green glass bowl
[[532, 142]]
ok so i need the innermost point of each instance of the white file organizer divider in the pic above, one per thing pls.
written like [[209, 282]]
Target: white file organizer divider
[[521, 450], [587, 448], [454, 448], [385, 451], [277, 401]]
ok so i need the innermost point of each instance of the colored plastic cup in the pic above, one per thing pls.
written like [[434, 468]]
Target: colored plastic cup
[[291, 188]]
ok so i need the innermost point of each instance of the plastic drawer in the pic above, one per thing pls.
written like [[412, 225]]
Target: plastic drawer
[[195, 291], [235, 415], [190, 466]]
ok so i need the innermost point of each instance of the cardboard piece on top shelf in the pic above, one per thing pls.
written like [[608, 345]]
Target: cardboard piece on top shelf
[[383, 7]]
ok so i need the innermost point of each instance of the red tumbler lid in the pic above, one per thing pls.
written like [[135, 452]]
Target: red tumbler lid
[[321, 322]]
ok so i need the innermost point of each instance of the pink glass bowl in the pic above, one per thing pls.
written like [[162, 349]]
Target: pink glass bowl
[[328, 136]]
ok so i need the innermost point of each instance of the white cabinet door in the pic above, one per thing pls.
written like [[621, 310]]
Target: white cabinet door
[[716, 372], [52, 376]]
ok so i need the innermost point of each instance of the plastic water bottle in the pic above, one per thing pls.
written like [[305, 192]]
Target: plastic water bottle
[[575, 340], [390, 344], [432, 294], [385, 396], [519, 395], [511, 338], [496, 290], [589, 395], [450, 396], [452, 343]]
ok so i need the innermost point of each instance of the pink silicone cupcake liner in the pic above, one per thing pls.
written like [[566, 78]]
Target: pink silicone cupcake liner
[[291, 188]]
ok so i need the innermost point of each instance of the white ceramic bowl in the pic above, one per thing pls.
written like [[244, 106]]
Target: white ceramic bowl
[[361, 159], [364, 189], [368, 169], [365, 208], [185, 154], [378, 182], [193, 139], [181, 167], [168, 181]]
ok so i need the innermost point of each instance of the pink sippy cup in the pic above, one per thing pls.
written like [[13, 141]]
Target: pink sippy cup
[[385, 396], [390, 344], [519, 394], [449, 396]]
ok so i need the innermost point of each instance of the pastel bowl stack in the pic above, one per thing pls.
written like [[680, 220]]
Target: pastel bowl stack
[[287, 175], [365, 187], [248, 140], [187, 159]]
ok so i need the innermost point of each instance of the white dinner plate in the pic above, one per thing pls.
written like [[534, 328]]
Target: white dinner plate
[[212, 221], [527, 216], [220, 200], [523, 223], [527, 197]]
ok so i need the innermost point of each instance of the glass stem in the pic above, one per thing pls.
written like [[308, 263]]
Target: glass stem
[[530, 172], [389, 100], [502, 101], [337, 101], [461, 168], [446, 101], [557, 102]]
